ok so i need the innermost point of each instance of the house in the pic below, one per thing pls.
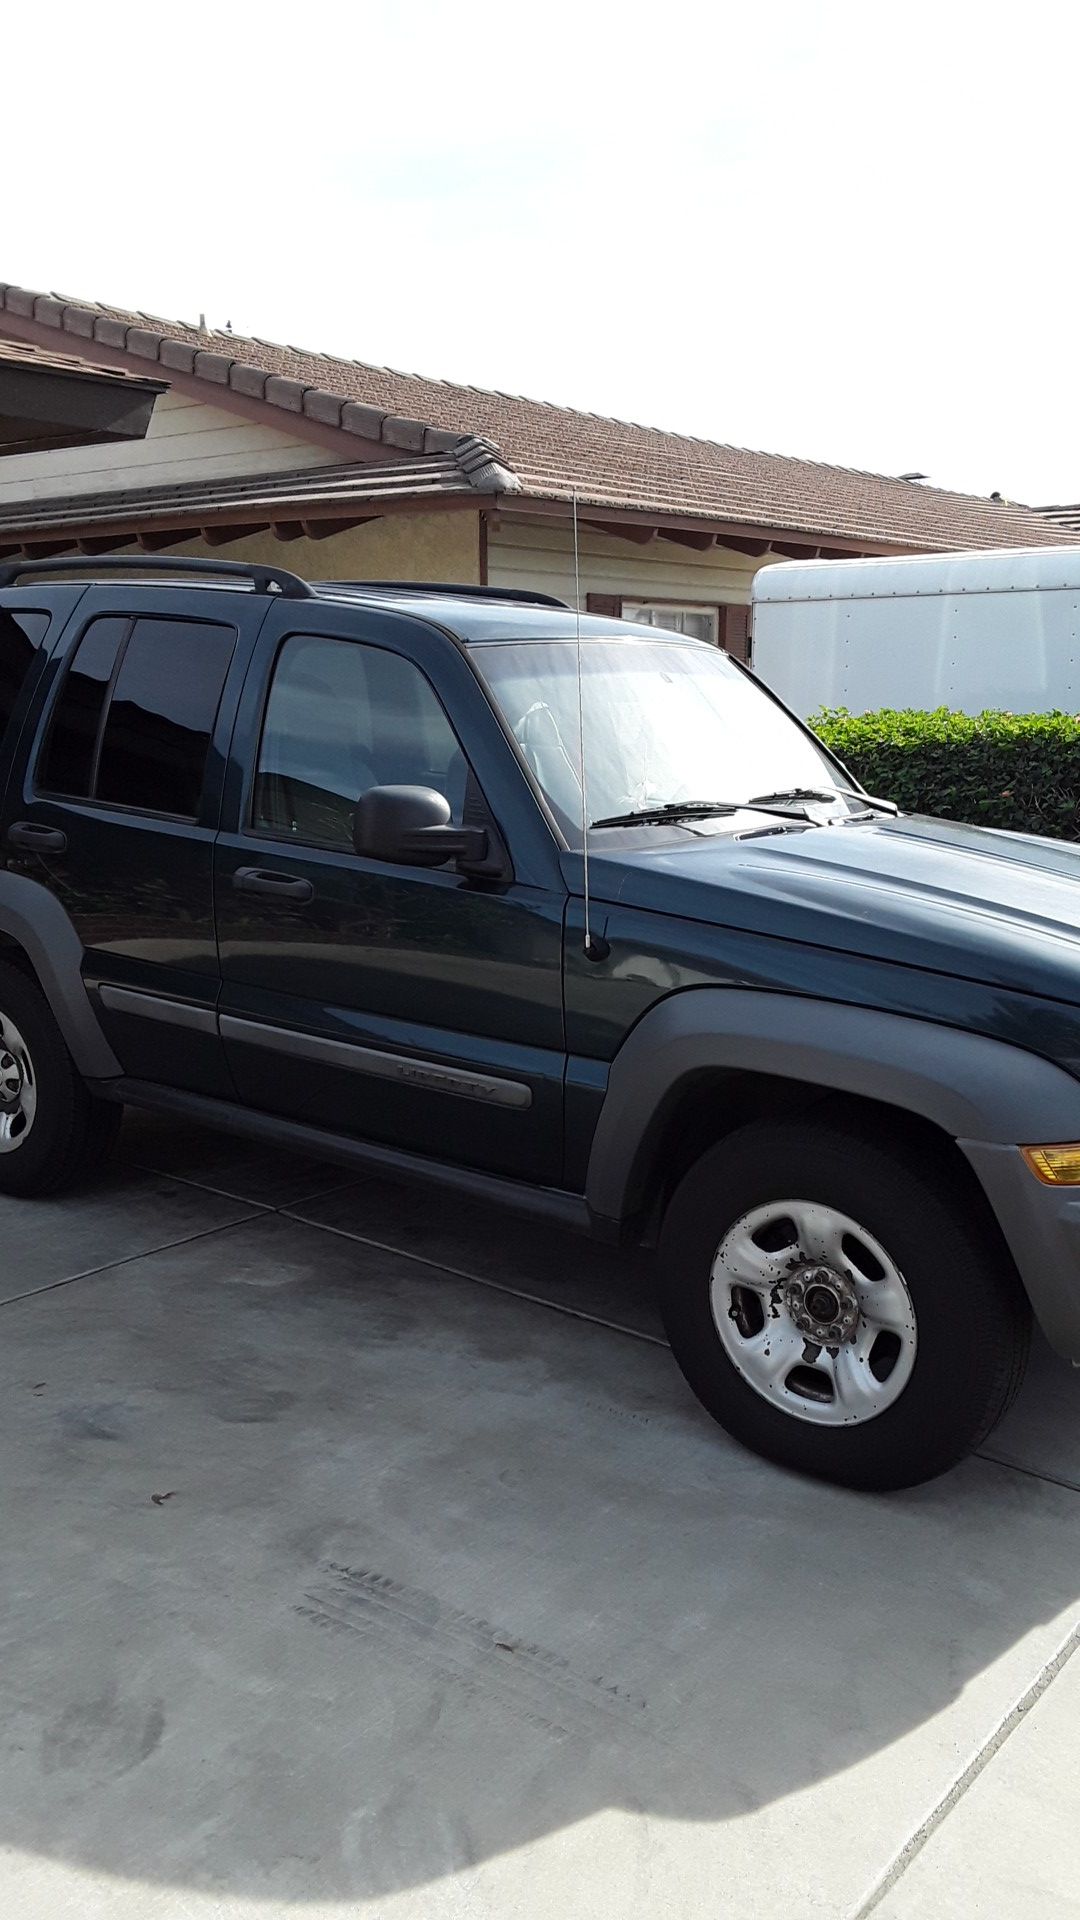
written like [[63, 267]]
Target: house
[[122, 432]]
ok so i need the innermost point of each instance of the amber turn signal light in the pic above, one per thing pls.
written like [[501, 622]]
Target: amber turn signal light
[[1055, 1166]]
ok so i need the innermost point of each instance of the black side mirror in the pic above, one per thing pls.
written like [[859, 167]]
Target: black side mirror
[[410, 826]]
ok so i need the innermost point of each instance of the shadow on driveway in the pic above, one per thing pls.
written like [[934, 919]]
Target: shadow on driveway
[[433, 1573]]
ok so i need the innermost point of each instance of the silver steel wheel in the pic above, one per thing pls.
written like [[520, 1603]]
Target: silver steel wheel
[[813, 1313], [18, 1087]]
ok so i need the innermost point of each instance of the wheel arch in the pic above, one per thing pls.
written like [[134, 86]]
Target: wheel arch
[[758, 1053], [37, 936], [689, 1123]]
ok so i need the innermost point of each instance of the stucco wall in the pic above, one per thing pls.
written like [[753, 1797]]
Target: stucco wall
[[408, 546]]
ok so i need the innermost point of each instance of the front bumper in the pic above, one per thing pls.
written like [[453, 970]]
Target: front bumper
[[1041, 1225]]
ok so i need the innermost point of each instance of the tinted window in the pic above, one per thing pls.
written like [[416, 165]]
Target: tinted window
[[161, 715], [136, 713], [342, 718], [21, 634], [68, 762]]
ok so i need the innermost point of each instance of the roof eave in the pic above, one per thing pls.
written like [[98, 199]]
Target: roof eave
[[286, 519], [782, 539], [329, 420]]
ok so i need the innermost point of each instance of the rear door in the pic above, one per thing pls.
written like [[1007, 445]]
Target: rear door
[[30, 626], [119, 807], [418, 1007]]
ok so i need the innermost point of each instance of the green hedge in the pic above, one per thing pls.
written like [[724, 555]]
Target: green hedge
[[1015, 770]]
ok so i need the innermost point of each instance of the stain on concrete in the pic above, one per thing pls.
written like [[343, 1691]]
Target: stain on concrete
[[106, 1422], [253, 1406], [103, 1737]]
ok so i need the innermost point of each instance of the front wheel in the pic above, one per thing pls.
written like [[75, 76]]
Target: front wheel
[[838, 1307]]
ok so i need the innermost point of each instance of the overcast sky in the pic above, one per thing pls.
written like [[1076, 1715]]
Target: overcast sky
[[844, 232]]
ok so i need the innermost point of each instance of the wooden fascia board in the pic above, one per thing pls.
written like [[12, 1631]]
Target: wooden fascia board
[[347, 446], [194, 519], [522, 506]]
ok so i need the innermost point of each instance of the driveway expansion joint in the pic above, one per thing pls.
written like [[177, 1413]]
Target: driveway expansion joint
[[475, 1279], [128, 1259], [978, 1763]]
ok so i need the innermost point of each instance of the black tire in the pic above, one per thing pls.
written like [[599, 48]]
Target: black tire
[[972, 1318], [71, 1132]]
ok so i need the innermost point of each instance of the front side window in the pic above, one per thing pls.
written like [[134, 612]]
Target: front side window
[[343, 717], [136, 713], [21, 634], [664, 721]]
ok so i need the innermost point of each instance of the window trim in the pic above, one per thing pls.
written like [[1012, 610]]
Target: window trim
[[106, 704], [39, 791], [52, 708], [114, 806]]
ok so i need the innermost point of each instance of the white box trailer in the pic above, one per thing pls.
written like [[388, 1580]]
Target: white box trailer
[[960, 630]]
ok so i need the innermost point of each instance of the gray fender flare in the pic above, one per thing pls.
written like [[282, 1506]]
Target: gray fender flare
[[35, 919], [975, 1088], [990, 1097]]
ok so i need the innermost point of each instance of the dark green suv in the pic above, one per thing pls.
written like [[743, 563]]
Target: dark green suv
[[311, 863]]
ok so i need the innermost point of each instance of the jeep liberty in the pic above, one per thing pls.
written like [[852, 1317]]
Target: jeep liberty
[[307, 862]]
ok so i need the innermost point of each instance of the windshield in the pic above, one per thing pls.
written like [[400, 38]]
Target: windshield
[[664, 721]]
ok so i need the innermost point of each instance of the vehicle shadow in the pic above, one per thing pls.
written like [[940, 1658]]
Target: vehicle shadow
[[326, 1574]]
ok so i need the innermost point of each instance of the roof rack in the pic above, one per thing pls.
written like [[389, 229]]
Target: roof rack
[[261, 579], [441, 587]]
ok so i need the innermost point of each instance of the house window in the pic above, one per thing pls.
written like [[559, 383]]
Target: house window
[[698, 623]]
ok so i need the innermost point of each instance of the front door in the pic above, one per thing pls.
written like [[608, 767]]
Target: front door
[[119, 811], [416, 1007]]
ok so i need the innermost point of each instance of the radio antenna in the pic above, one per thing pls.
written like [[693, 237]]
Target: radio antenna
[[594, 949]]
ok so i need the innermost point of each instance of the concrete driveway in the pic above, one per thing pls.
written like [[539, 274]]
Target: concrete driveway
[[363, 1553]]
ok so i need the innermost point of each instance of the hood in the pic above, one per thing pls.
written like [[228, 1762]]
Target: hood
[[999, 908]]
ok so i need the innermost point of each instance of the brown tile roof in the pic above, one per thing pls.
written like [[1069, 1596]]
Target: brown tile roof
[[553, 451], [1066, 519], [19, 353]]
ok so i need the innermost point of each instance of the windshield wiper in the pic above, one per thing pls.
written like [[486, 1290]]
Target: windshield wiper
[[789, 804], [826, 793], [699, 810]]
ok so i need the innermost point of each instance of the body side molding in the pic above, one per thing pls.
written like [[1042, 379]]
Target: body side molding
[[154, 1006], [358, 1058]]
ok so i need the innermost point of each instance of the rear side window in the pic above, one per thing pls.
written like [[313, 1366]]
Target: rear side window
[[161, 715], [21, 634], [68, 764], [133, 724]]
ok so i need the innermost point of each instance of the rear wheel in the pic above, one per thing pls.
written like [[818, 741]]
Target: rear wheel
[[52, 1129], [838, 1306]]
